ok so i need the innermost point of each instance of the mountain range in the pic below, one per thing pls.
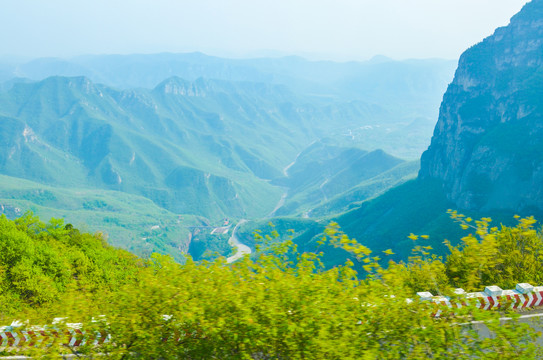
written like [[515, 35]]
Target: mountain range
[[295, 142], [485, 157], [290, 140], [202, 147], [209, 138]]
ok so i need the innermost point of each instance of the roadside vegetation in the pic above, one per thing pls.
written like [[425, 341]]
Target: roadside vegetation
[[279, 304]]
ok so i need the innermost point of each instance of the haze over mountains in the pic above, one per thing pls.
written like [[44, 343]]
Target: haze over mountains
[[404, 90], [211, 138], [485, 155], [199, 139]]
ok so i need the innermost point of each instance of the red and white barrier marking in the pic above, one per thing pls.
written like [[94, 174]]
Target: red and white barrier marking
[[524, 296], [10, 337]]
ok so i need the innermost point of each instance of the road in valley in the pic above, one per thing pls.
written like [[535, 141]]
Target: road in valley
[[243, 249], [234, 241]]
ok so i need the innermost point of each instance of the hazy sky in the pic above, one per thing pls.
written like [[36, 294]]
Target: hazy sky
[[332, 29]]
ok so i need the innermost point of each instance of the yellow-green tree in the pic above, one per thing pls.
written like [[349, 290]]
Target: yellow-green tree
[[501, 256]]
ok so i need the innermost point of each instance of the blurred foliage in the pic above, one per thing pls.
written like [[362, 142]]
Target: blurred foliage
[[501, 256], [281, 304]]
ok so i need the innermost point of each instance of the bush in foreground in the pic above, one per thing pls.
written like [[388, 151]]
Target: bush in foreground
[[280, 305]]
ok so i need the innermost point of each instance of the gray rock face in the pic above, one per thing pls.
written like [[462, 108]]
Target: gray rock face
[[487, 146]]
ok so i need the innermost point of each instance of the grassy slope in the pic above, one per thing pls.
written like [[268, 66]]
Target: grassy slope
[[331, 174], [385, 222], [368, 189], [127, 219]]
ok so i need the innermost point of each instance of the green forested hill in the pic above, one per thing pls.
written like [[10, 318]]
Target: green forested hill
[[129, 221], [410, 90], [326, 170], [383, 222], [202, 147]]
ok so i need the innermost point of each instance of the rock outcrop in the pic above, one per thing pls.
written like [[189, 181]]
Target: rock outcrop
[[487, 146]]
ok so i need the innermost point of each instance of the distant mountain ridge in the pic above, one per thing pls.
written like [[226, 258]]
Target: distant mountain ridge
[[394, 84], [409, 91]]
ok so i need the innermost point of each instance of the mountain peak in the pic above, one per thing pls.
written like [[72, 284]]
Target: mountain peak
[[177, 86], [486, 147], [79, 83]]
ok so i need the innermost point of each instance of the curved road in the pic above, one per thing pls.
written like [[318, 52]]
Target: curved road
[[242, 248]]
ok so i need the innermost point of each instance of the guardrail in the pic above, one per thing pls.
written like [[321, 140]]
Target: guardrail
[[524, 296], [72, 335]]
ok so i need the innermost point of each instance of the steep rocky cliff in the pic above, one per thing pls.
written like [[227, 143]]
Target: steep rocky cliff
[[487, 146]]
